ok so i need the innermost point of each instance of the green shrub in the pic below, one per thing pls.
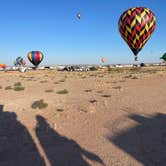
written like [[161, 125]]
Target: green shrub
[[19, 88], [17, 84], [39, 104]]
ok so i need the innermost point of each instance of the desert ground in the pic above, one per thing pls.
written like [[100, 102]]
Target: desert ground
[[112, 118]]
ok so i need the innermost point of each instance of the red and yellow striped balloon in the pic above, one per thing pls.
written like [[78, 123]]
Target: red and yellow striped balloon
[[136, 26], [35, 57]]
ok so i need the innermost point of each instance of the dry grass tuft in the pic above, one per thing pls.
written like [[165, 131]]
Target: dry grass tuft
[[100, 91], [62, 80], [49, 90], [93, 101], [106, 96], [8, 88], [117, 87], [88, 90], [60, 110], [45, 81], [65, 91]]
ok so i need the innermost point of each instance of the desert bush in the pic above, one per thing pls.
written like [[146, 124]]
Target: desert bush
[[93, 101], [40, 104], [62, 91], [62, 80], [43, 81], [134, 77], [17, 84], [8, 88], [49, 90], [88, 90], [106, 95], [56, 82], [18, 88], [117, 87], [60, 110]]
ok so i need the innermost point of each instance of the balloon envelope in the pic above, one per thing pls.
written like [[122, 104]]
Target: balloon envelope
[[35, 57], [3, 66], [23, 62], [163, 57], [19, 61], [103, 60], [79, 15], [136, 26]]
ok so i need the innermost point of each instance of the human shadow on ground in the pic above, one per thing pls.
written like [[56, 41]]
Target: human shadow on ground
[[146, 142], [17, 147], [60, 150]]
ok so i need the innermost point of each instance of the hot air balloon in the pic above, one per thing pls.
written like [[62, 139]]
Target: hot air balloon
[[19, 61], [79, 16], [35, 57], [163, 57], [103, 60], [3, 66], [136, 26]]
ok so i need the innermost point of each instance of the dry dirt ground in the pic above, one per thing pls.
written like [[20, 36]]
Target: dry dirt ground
[[112, 118]]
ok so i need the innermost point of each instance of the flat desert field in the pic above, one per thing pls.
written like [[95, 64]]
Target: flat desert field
[[111, 118]]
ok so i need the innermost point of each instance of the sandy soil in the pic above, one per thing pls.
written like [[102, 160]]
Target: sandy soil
[[114, 118]]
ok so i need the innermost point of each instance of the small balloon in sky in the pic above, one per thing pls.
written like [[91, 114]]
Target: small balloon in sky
[[78, 16], [136, 26], [103, 59]]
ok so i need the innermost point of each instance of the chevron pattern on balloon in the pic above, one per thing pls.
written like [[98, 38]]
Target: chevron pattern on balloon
[[136, 26]]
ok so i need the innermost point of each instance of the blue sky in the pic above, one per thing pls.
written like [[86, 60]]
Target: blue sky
[[51, 26]]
